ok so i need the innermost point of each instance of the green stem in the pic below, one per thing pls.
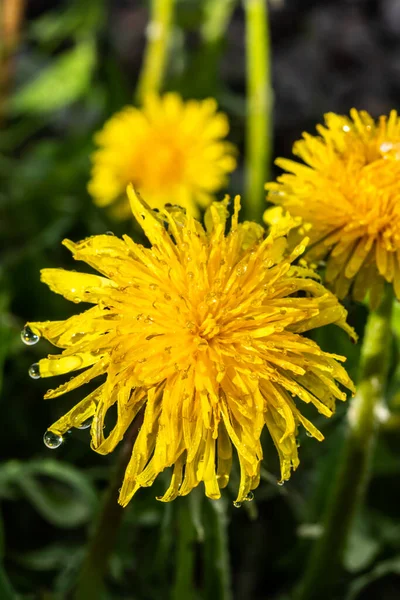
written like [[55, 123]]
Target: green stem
[[326, 557], [102, 542], [217, 14], [185, 561], [259, 106], [155, 56], [216, 17], [216, 552]]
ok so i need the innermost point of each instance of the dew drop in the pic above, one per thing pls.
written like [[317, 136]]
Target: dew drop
[[28, 336], [249, 497], [237, 504], [308, 434], [109, 233], [52, 440], [281, 482], [86, 424], [34, 371]]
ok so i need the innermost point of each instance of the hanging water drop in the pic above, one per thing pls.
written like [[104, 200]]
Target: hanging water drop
[[249, 497], [29, 337], [34, 371], [109, 233], [237, 504], [86, 424], [308, 434], [281, 482], [52, 440]]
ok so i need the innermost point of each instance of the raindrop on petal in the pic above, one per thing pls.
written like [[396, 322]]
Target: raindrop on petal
[[86, 424], [29, 337], [34, 371], [52, 440], [237, 504]]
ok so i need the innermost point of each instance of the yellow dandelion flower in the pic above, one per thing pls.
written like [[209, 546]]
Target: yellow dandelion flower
[[201, 334], [348, 195], [169, 149]]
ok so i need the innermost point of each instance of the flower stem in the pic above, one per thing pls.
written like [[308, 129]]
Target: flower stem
[[216, 551], [326, 557], [101, 544], [259, 106], [185, 559], [155, 56], [216, 17]]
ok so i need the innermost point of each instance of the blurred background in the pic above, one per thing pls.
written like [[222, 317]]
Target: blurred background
[[65, 67]]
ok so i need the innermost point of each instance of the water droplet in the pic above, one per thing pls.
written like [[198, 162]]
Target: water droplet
[[52, 440], [109, 233], [86, 424], [34, 371], [167, 297], [237, 504], [281, 482], [153, 286], [29, 337], [308, 434], [241, 270], [346, 128], [249, 497]]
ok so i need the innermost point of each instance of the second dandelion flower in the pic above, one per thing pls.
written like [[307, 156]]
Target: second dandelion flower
[[171, 150]]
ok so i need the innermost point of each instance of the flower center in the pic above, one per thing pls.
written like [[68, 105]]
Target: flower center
[[161, 163]]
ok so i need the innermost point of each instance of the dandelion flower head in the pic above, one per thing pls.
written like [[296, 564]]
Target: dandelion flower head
[[347, 193], [169, 149], [199, 335]]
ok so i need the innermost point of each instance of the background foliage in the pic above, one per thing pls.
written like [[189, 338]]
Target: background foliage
[[76, 63]]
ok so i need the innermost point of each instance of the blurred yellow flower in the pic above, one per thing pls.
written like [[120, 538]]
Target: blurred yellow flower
[[170, 150], [201, 334], [348, 195]]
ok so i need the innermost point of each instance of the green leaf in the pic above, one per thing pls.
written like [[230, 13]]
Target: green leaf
[[56, 26], [383, 568], [362, 547], [46, 558], [59, 492], [64, 81]]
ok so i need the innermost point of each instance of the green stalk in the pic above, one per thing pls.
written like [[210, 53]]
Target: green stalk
[[216, 17], [156, 52], [259, 106], [217, 14], [185, 560], [217, 573], [348, 488], [90, 582]]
